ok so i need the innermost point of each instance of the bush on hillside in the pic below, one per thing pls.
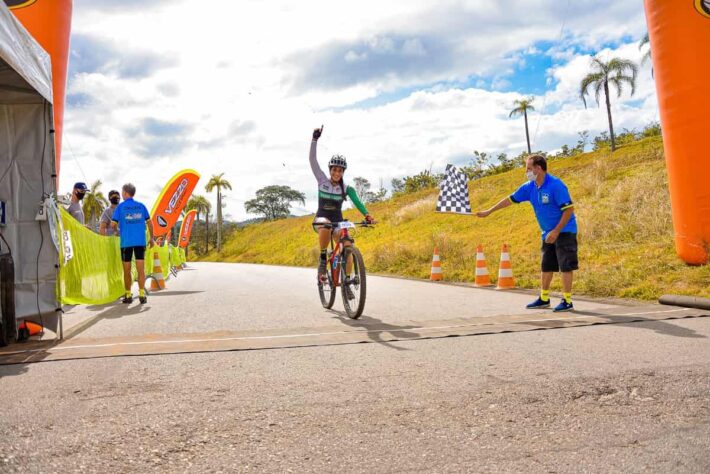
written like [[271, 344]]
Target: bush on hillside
[[411, 184]]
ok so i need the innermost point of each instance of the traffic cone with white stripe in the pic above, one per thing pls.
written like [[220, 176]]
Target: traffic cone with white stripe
[[505, 273], [436, 274], [157, 281], [482, 276]]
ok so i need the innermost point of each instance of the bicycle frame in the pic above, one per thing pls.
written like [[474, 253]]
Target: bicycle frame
[[343, 236]]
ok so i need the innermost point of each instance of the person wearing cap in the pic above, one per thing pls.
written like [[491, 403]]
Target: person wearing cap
[[554, 211], [105, 227], [77, 196]]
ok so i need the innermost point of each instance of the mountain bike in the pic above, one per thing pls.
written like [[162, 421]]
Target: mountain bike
[[353, 284]]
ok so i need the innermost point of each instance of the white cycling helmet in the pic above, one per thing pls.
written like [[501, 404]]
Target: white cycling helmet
[[338, 160]]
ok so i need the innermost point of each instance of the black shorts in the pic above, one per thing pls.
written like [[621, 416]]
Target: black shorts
[[333, 216], [128, 252], [562, 255]]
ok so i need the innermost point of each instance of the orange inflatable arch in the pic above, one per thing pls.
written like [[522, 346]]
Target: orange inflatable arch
[[49, 22], [680, 35]]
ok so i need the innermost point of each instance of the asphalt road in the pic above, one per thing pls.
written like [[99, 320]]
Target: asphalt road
[[627, 397], [212, 297]]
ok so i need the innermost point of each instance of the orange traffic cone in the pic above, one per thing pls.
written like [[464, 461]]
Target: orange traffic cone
[[157, 281], [27, 329], [505, 273], [436, 274], [482, 276]]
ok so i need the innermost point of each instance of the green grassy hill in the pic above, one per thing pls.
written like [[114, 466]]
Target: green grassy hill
[[623, 213]]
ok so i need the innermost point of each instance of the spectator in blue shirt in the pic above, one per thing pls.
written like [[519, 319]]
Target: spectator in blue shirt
[[554, 211], [132, 218]]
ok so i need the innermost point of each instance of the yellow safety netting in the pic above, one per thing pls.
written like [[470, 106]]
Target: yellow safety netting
[[174, 256], [90, 267]]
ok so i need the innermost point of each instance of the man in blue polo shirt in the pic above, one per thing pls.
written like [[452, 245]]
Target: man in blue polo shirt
[[131, 217], [555, 214]]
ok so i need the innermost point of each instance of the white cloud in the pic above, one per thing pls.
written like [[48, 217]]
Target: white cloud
[[226, 100]]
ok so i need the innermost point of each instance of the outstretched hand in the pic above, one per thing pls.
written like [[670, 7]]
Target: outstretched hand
[[369, 219], [317, 132], [483, 213]]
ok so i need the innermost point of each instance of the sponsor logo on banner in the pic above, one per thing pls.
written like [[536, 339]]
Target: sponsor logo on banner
[[14, 4], [169, 205], [186, 228], [177, 195], [66, 243], [703, 7]]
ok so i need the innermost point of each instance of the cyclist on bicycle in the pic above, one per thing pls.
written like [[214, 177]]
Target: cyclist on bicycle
[[332, 191]]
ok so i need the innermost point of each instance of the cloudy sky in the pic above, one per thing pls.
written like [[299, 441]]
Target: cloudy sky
[[237, 87]]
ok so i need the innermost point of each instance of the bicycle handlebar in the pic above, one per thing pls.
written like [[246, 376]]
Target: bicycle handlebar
[[326, 225]]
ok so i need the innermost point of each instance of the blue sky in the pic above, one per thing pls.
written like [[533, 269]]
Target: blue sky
[[401, 86]]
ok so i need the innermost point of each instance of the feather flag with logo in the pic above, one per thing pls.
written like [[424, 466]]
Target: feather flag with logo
[[172, 200], [186, 228]]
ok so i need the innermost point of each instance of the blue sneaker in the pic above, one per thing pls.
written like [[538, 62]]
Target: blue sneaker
[[539, 304], [563, 306]]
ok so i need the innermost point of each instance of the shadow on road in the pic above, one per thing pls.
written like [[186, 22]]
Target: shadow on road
[[12, 370], [661, 327], [111, 312], [36, 351], [376, 327], [173, 293]]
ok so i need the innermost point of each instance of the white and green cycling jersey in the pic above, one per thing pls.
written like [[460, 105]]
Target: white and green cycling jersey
[[331, 196]]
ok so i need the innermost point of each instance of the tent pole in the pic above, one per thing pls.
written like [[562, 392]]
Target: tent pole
[[55, 183]]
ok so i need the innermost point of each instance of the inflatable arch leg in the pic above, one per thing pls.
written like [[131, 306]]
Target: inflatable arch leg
[[680, 34], [49, 22]]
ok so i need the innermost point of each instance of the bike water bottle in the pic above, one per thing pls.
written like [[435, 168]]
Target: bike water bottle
[[335, 261]]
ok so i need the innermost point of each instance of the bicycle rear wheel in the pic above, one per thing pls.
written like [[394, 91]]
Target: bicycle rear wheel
[[354, 285], [326, 289]]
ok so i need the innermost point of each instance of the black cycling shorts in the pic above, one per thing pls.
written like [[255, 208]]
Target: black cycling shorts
[[128, 252], [562, 255], [333, 216]]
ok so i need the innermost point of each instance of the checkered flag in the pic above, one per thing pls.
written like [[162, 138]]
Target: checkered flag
[[453, 194]]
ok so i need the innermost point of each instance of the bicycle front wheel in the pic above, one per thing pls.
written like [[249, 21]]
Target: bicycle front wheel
[[326, 288], [354, 284]]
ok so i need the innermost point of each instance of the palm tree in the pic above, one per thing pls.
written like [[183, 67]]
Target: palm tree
[[94, 204], [218, 182], [202, 206], [199, 204], [615, 72], [521, 108], [647, 55]]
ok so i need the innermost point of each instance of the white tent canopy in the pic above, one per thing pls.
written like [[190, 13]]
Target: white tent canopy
[[27, 168]]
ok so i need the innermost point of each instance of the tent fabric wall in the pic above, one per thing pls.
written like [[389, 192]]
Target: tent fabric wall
[[27, 168], [24, 56]]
